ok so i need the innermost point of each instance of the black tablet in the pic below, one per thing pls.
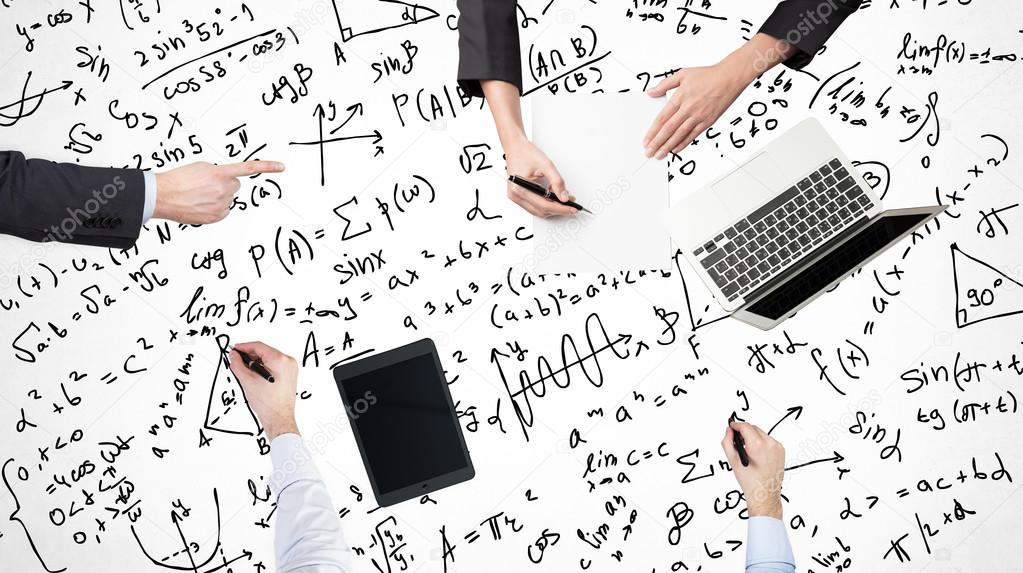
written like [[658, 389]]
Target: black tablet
[[404, 422]]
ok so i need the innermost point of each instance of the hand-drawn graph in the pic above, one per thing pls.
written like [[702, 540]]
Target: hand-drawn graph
[[320, 112], [27, 104], [189, 557]]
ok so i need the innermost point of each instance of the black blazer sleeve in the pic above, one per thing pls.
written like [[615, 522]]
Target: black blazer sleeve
[[807, 24], [488, 44], [45, 201]]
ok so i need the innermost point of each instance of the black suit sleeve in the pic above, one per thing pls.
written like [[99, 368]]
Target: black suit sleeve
[[45, 201], [488, 44], [807, 24]]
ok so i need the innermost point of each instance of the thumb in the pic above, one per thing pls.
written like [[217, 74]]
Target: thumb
[[557, 181], [664, 85]]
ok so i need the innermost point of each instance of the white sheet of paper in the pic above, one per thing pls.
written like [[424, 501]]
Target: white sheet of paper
[[595, 140]]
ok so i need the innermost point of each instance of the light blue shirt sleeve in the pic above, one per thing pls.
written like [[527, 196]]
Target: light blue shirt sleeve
[[308, 531], [150, 205], [767, 546]]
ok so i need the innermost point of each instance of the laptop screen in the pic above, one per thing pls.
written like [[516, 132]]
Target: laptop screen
[[842, 261]]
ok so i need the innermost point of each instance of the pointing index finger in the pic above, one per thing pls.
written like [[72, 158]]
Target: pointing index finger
[[246, 168]]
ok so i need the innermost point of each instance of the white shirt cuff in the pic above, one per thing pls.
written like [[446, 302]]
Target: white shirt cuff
[[292, 462], [150, 205], [767, 542]]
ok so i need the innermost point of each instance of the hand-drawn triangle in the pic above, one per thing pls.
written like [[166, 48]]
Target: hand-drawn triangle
[[371, 16], [982, 291], [227, 411]]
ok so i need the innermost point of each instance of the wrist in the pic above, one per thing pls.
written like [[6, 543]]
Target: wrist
[[511, 136], [158, 206], [767, 505], [745, 64], [285, 425], [506, 108], [162, 208], [761, 53]]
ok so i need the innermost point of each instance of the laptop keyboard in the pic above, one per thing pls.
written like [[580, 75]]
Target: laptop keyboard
[[791, 225]]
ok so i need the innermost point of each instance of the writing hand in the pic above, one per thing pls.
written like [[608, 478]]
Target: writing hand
[[521, 156], [273, 403], [201, 192], [761, 479], [526, 160]]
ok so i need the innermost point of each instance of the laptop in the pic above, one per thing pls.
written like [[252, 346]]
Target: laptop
[[785, 226]]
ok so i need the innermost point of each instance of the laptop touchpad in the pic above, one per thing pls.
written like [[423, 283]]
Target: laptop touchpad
[[751, 185]]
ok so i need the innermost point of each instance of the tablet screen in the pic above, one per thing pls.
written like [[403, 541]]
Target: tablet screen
[[405, 423]]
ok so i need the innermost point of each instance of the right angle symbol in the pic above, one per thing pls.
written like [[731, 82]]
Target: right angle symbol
[[982, 291]]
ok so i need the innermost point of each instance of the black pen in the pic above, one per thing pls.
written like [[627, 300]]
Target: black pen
[[540, 190], [256, 366], [740, 446]]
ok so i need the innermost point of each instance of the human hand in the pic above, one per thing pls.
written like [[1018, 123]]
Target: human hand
[[701, 96], [201, 192], [527, 160], [761, 479], [272, 402]]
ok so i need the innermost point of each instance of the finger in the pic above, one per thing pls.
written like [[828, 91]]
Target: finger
[[680, 135], [237, 366], [666, 112], [745, 430], [246, 168], [676, 138], [559, 209], [548, 208], [664, 85], [667, 130], [729, 447], [533, 210], [220, 216], [259, 351], [756, 438], [521, 201], [689, 138], [557, 182]]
